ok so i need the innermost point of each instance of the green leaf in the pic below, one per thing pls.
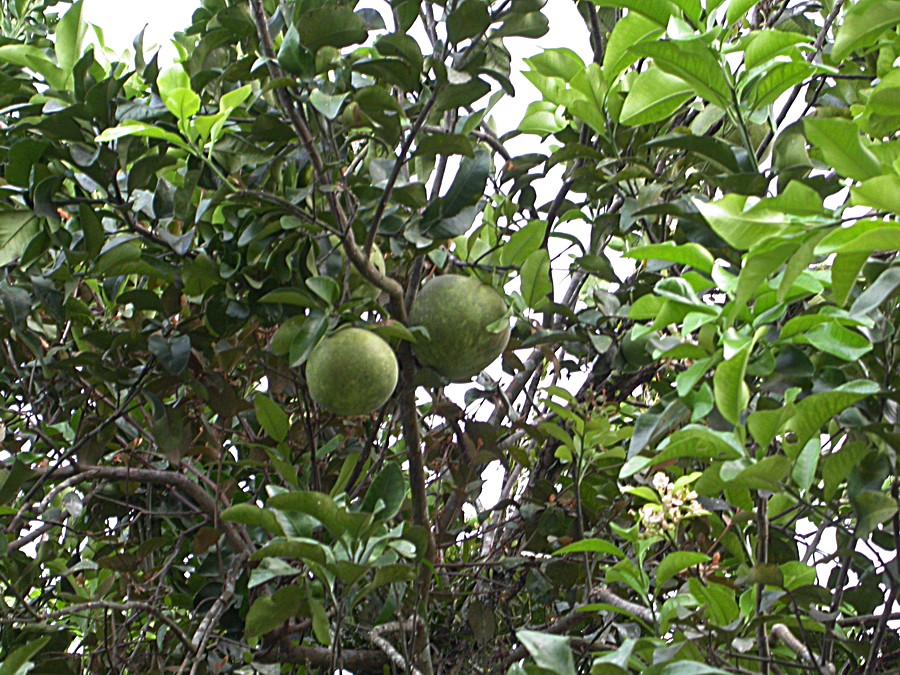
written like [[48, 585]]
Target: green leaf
[[470, 19], [628, 31], [299, 548], [883, 288], [548, 651], [863, 23], [599, 546], [336, 519], [389, 488], [29, 56], [804, 471], [693, 442], [693, 62], [731, 391], [293, 57], [527, 24], [251, 514], [765, 45], [692, 255], [660, 11], [141, 129], [326, 288], [865, 236], [844, 272], [737, 9], [837, 340], [815, 410], [881, 193], [330, 26], [535, 277], [872, 508], [69, 37], [271, 611], [765, 474], [654, 96], [271, 418], [183, 103], [675, 563], [17, 229], [543, 118], [777, 79], [523, 243], [306, 339], [591, 87], [320, 624], [329, 106], [468, 185], [842, 146], [718, 601], [19, 661], [173, 353], [740, 228]]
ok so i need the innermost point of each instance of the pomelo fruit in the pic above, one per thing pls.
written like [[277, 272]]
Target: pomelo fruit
[[352, 372], [457, 311]]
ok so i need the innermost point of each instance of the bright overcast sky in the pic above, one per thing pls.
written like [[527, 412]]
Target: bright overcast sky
[[122, 20]]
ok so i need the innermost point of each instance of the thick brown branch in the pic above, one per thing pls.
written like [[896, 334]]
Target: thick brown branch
[[359, 661]]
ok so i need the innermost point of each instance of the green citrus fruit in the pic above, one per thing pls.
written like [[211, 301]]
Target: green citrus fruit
[[352, 372], [457, 311]]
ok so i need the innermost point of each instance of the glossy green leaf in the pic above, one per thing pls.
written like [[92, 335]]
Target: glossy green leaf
[[881, 193], [654, 96], [815, 410], [18, 662], [523, 243], [660, 11], [863, 23], [729, 387], [872, 508], [628, 31], [468, 20], [173, 353], [599, 546], [548, 651], [331, 26], [843, 147], [17, 229], [675, 563], [269, 612], [386, 494], [739, 227], [250, 514], [536, 281], [693, 62], [274, 421], [70, 37]]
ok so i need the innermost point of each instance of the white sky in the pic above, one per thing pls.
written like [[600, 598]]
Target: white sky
[[122, 20]]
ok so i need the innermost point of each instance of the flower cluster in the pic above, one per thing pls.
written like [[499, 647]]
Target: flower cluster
[[677, 501]]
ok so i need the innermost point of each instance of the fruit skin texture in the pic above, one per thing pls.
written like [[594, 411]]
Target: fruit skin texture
[[352, 372], [457, 310]]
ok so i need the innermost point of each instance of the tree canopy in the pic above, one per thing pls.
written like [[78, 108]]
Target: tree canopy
[[692, 429]]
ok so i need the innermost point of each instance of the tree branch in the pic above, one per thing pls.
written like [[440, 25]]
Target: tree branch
[[385, 646]]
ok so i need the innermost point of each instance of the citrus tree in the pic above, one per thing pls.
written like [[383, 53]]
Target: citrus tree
[[246, 300]]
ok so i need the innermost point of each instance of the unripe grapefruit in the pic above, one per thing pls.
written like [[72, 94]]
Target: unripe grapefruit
[[352, 372], [457, 311]]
